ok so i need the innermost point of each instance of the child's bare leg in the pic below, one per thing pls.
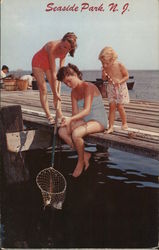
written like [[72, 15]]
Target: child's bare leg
[[122, 116], [112, 109]]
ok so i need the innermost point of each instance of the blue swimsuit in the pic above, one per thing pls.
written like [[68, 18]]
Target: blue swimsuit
[[97, 113]]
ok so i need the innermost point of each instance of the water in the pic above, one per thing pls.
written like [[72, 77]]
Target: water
[[146, 83], [114, 204]]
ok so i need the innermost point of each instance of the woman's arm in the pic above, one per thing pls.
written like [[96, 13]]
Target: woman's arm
[[75, 109], [88, 97], [62, 62]]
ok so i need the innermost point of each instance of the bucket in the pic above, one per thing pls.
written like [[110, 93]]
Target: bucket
[[10, 84], [22, 84]]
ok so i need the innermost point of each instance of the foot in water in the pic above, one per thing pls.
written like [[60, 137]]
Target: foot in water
[[87, 157], [78, 170]]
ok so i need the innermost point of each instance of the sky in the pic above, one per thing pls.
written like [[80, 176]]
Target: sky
[[26, 26]]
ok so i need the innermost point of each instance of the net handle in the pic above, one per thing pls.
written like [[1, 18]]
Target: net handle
[[55, 126], [106, 74]]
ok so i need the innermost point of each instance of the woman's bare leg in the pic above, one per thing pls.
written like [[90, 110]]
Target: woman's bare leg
[[112, 109], [49, 78], [77, 137], [63, 133], [122, 116], [87, 157], [39, 75]]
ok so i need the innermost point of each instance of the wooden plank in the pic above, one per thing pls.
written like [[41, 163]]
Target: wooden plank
[[128, 109], [35, 139], [142, 119], [143, 115], [124, 144], [138, 126], [28, 140], [138, 131], [131, 121]]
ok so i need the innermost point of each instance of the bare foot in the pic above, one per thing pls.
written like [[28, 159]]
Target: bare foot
[[124, 126], [110, 130], [87, 157], [78, 170]]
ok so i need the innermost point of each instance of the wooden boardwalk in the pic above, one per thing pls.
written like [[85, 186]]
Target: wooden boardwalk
[[143, 120]]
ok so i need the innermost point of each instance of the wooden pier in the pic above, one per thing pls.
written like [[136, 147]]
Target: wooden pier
[[143, 121]]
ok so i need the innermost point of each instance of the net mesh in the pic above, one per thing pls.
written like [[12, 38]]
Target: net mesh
[[53, 187]]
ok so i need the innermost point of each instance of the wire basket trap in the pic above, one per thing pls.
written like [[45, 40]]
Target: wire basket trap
[[50, 181], [53, 187]]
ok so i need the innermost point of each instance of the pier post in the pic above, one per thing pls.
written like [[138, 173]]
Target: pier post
[[13, 163]]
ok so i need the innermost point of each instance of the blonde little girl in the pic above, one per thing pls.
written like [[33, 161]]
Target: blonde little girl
[[117, 90]]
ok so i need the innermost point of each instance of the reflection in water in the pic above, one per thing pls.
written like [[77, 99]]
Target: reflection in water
[[113, 204]]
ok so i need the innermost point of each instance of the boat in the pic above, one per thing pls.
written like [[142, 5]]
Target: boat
[[130, 82]]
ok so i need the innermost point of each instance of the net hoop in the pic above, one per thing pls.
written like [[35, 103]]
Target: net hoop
[[53, 187]]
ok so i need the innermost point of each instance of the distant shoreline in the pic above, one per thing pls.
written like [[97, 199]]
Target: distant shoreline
[[84, 70]]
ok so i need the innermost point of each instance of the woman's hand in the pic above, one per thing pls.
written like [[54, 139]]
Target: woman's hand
[[66, 122]]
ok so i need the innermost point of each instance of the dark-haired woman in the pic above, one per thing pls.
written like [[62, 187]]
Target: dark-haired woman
[[88, 114], [44, 65]]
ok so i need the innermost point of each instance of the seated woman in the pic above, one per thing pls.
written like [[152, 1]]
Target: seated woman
[[88, 114]]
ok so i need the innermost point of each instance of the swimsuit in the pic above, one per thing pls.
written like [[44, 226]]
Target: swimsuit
[[97, 113], [119, 95], [41, 60]]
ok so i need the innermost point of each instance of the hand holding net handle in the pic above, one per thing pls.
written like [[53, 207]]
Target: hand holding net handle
[[109, 77]]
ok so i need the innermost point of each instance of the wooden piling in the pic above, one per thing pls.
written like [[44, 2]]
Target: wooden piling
[[13, 164]]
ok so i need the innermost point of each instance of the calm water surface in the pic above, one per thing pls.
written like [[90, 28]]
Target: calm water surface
[[113, 204]]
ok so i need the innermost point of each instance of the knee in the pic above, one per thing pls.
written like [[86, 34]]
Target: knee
[[119, 107], [43, 89], [61, 132], [75, 135], [72, 125], [113, 107]]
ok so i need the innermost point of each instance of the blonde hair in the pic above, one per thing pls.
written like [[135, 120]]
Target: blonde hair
[[107, 54]]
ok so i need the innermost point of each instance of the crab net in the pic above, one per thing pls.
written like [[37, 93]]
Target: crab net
[[53, 187]]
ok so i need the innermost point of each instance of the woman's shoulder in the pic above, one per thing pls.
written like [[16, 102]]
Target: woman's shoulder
[[90, 89], [50, 45], [88, 85]]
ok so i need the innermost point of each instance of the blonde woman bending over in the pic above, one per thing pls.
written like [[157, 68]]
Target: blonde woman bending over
[[88, 114], [44, 65], [117, 75]]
